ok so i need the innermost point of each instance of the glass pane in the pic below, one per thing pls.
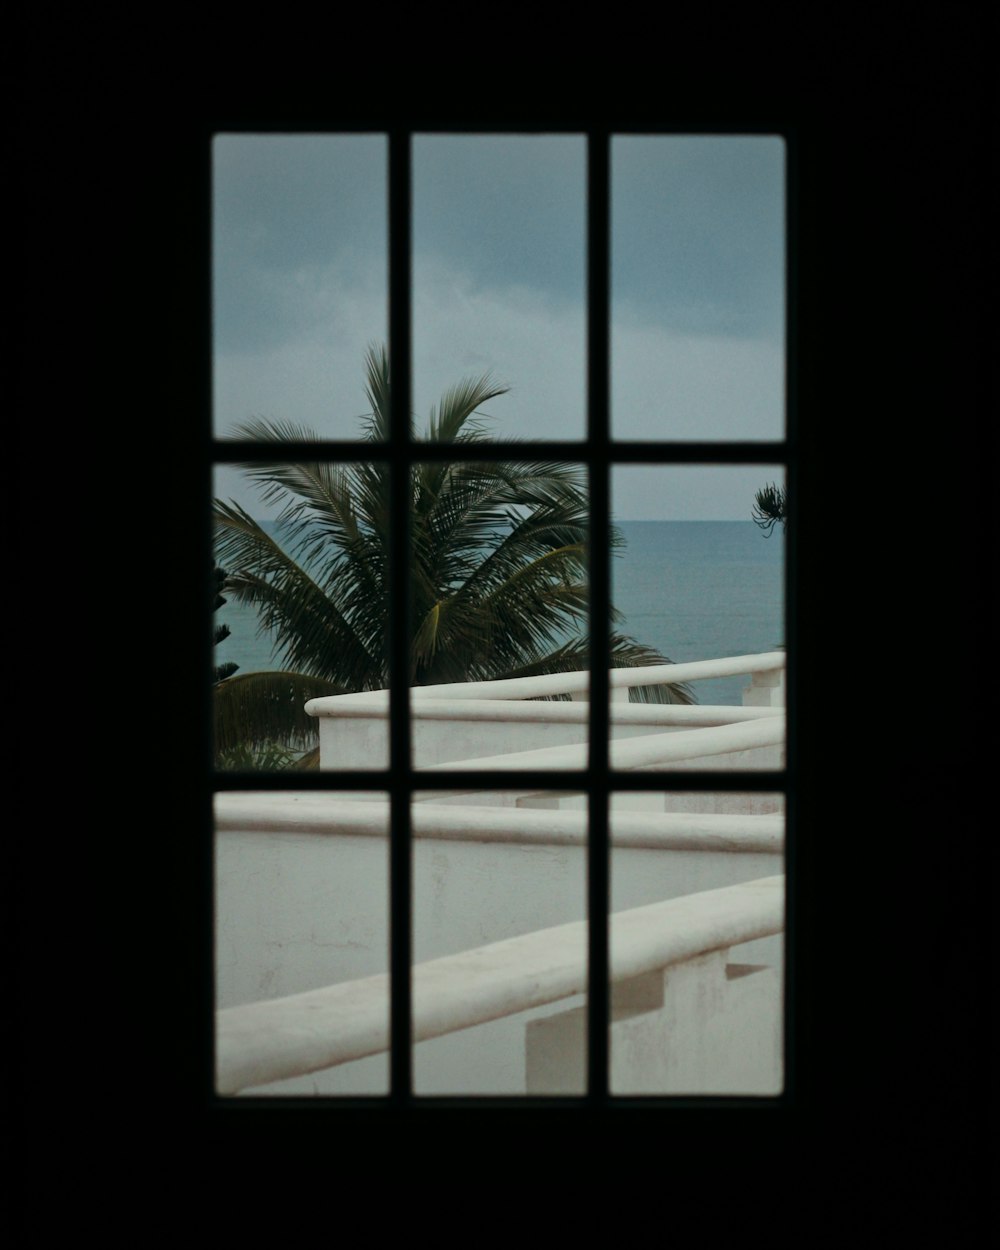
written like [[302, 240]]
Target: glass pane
[[498, 277], [302, 616], [698, 275], [301, 944], [499, 943], [300, 243], [702, 585], [697, 943], [499, 615]]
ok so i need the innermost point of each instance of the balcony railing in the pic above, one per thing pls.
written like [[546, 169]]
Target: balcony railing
[[697, 908], [265, 1042], [486, 724]]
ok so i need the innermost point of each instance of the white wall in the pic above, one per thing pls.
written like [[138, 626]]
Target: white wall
[[297, 911]]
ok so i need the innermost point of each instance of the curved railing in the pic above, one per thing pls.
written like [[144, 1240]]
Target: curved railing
[[273, 1040], [488, 718], [575, 683]]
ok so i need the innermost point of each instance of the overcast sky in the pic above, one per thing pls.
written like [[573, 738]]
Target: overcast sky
[[697, 350]]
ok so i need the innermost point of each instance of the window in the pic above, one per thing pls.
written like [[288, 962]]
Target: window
[[732, 430]]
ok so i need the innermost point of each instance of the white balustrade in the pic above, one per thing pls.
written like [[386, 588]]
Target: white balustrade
[[479, 724], [306, 811], [302, 895], [263, 1042]]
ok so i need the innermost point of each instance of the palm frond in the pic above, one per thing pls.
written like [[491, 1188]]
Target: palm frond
[[627, 653], [250, 757], [453, 420], [379, 393], [495, 517], [254, 709], [770, 507], [315, 631]]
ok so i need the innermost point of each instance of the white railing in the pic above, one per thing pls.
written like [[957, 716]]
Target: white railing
[[321, 814], [269, 1041], [575, 683], [492, 724], [497, 726], [524, 711]]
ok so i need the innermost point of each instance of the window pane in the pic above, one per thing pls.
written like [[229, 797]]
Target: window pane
[[697, 943], [302, 956], [697, 581], [300, 552], [299, 278], [499, 943], [697, 287], [498, 276], [499, 595]]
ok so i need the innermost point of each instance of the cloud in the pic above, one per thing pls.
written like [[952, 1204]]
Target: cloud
[[665, 385], [686, 386], [688, 492], [312, 369], [524, 337]]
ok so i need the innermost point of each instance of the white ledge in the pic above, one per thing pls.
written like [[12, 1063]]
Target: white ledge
[[308, 812], [562, 683], [524, 711], [268, 1041]]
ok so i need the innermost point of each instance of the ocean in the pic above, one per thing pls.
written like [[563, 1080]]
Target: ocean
[[694, 590]]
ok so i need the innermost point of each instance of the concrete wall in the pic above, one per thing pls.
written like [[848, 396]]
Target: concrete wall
[[362, 742], [710, 1025]]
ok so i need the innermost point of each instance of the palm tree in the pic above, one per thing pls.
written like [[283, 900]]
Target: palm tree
[[498, 578]]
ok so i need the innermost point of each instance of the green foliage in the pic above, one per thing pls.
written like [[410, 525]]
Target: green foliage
[[259, 708], [498, 574], [252, 757], [222, 671]]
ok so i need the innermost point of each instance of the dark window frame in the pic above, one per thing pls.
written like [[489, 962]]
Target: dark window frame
[[598, 451]]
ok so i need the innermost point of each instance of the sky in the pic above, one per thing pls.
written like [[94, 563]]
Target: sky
[[697, 338]]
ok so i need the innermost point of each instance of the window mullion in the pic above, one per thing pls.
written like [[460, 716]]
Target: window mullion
[[598, 393], [400, 870]]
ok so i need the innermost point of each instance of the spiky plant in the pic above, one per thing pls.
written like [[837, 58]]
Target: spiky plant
[[770, 508]]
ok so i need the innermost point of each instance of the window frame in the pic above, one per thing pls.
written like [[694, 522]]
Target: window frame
[[598, 451]]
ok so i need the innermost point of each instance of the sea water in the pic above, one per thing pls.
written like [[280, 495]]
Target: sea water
[[693, 590], [701, 590]]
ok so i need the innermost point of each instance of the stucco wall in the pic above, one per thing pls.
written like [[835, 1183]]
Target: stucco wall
[[296, 911]]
